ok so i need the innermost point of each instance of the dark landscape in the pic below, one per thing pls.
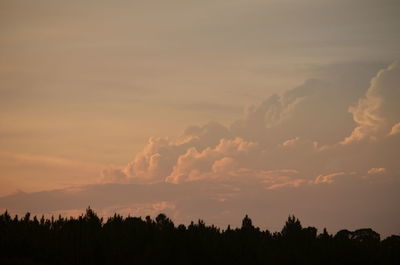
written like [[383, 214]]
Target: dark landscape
[[89, 239]]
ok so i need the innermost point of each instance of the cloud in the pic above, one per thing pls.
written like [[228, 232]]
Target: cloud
[[211, 162], [329, 179], [112, 175], [261, 120], [226, 202], [159, 156], [279, 135], [282, 178], [276, 159], [291, 142], [207, 151], [378, 112], [395, 129], [376, 170]]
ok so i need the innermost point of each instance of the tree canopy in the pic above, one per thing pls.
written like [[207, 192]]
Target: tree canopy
[[88, 239]]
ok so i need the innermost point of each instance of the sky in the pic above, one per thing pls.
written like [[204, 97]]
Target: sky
[[203, 109]]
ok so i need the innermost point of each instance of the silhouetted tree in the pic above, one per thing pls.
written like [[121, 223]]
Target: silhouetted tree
[[292, 228], [247, 224], [88, 239]]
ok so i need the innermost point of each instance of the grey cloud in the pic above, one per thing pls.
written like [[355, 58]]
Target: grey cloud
[[277, 110]]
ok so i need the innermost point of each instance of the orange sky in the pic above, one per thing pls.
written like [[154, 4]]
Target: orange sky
[[235, 106]]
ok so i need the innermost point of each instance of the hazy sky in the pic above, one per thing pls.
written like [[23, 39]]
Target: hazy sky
[[203, 109]]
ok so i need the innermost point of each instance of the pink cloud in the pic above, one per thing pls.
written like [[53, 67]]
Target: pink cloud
[[195, 165], [257, 147], [395, 129], [329, 178], [376, 170]]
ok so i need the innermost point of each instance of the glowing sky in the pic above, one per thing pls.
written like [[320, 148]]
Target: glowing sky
[[203, 109]]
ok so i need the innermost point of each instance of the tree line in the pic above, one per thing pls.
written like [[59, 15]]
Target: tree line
[[88, 239]]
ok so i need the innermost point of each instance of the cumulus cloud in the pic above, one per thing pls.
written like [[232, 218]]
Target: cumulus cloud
[[378, 112], [276, 144], [281, 157], [211, 161], [261, 121], [284, 151], [159, 156], [209, 151]]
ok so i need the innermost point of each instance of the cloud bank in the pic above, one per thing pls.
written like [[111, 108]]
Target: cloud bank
[[277, 135], [316, 151]]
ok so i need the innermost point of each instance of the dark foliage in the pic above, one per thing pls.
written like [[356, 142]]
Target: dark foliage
[[89, 239]]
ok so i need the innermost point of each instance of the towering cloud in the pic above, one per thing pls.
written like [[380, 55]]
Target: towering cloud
[[285, 155], [378, 112], [277, 135], [211, 161]]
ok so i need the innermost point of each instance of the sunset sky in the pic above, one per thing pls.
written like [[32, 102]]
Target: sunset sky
[[203, 109]]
